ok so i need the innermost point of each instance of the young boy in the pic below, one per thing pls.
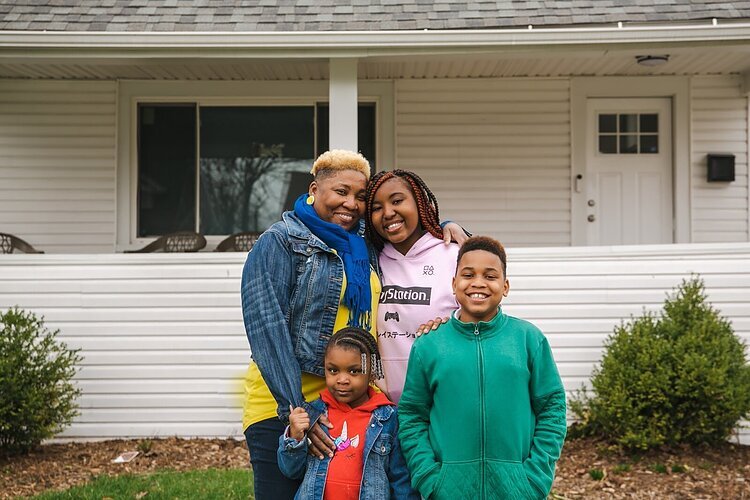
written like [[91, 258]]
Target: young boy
[[483, 409]]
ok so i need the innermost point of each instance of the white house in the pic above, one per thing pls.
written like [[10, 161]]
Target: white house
[[579, 133]]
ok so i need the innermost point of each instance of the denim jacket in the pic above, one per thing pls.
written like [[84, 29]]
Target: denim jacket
[[291, 290], [384, 474]]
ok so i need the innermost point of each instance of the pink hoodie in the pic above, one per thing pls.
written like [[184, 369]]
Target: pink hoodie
[[416, 288]]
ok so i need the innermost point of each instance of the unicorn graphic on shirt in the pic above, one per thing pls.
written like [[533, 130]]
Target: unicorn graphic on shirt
[[343, 442]]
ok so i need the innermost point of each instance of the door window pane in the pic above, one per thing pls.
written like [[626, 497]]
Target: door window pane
[[628, 123], [166, 168], [628, 133], [649, 144], [649, 123], [608, 144], [628, 144], [249, 155], [607, 123]]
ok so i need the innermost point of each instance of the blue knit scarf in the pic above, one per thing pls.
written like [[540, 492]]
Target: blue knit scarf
[[352, 249]]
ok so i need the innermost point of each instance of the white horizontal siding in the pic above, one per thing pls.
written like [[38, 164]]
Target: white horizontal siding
[[57, 164], [165, 350], [720, 210], [495, 152]]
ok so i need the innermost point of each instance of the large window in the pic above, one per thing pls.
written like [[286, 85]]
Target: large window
[[225, 169]]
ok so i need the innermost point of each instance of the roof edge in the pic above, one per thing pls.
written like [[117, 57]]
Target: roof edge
[[362, 43]]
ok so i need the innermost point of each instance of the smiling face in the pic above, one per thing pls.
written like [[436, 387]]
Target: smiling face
[[394, 214], [344, 376], [340, 197], [479, 285]]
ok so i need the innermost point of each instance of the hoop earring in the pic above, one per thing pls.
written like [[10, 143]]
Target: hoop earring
[[310, 199]]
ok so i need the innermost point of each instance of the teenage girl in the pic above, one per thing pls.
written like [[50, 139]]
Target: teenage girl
[[367, 462], [402, 220]]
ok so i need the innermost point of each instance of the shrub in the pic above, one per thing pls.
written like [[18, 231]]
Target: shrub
[[37, 398], [679, 377]]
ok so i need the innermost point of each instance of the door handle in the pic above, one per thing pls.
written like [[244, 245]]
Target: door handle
[[591, 218]]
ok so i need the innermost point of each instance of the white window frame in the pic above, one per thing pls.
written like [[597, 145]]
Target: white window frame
[[255, 93]]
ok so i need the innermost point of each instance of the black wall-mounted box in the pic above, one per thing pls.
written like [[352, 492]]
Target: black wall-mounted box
[[720, 168]]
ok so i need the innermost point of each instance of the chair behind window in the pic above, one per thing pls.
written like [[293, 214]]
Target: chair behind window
[[183, 241], [8, 243], [238, 242]]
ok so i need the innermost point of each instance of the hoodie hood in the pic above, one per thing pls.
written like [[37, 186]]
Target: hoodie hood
[[420, 247], [376, 400]]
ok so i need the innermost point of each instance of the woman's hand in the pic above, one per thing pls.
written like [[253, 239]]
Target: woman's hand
[[299, 422], [318, 442], [431, 325], [454, 232]]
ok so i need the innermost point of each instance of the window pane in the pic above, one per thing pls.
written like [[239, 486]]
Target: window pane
[[607, 123], [628, 144], [649, 123], [250, 155], [649, 144], [166, 168], [608, 144], [628, 123]]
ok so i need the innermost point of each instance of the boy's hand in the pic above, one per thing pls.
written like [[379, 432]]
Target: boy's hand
[[299, 422]]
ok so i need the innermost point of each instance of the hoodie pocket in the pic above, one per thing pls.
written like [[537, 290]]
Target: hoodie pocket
[[457, 480], [508, 480]]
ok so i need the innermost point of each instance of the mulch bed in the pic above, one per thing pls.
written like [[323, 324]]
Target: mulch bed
[[722, 472]]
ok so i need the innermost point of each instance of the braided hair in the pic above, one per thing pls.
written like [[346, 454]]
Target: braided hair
[[357, 339], [427, 204]]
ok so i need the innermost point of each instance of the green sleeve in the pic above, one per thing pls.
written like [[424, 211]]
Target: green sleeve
[[414, 423], [548, 404]]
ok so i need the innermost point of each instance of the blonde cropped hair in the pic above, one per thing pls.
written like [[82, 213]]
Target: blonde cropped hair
[[341, 159]]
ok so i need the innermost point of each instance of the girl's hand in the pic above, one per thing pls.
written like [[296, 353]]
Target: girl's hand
[[299, 422], [431, 325], [454, 232], [318, 442]]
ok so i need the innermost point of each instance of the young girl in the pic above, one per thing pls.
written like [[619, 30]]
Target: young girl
[[402, 220], [367, 463]]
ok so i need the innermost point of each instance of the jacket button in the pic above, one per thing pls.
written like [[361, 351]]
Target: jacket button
[[382, 449]]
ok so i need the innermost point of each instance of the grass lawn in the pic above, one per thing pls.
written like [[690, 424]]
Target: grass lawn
[[203, 484]]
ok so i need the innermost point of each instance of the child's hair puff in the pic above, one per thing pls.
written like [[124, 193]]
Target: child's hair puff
[[354, 338]]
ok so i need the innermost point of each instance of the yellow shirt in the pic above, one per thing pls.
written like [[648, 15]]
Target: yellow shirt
[[259, 402]]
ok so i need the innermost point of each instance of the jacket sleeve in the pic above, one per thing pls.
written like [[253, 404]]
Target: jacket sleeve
[[267, 285], [398, 474], [548, 404], [414, 423], [292, 456]]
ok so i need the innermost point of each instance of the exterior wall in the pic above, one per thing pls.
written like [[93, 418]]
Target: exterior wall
[[165, 350], [719, 125], [57, 164], [495, 152]]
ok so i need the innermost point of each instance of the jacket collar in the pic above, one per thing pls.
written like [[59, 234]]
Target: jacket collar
[[381, 413], [484, 328]]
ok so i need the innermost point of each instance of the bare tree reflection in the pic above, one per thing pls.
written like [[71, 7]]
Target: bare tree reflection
[[234, 190]]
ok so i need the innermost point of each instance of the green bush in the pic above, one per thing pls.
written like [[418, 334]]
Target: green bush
[[679, 377], [37, 398]]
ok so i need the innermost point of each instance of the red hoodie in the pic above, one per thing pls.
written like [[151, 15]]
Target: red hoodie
[[349, 427]]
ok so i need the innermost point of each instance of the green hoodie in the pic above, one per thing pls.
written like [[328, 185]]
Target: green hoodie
[[483, 411]]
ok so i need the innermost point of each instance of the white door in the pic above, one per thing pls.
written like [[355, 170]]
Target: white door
[[628, 180]]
